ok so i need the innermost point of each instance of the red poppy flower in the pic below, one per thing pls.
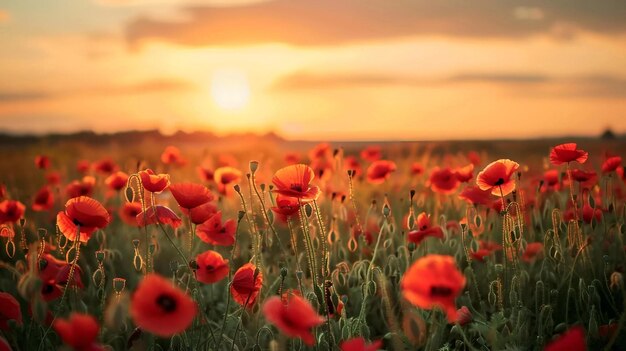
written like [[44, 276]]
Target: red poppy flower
[[54, 275], [4, 345], [433, 281], [371, 153], [465, 174], [498, 177], [246, 285], [320, 151], [53, 178], [117, 181], [292, 158], [226, 176], [476, 196], [474, 157], [485, 248], [82, 166], [551, 180], [190, 195], [11, 211], [584, 177], [128, 213], [227, 160], [80, 332], [158, 214], [105, 166], [566, 153], [417, 169], [424, 230], [611, 164], [464, 316], [200, 214], [295, 318], [443, 180], [205, 173], [171, 156], [160, 307], [82, 187], [532, 252], [294, 181], [351, 163], [9, 310], [379, 171], [571, 340], [214, 232], [44, 200], [359, 344], [286, 207], [85, 212], [154, 183], [589, 213], [42, 162], [212, 267]]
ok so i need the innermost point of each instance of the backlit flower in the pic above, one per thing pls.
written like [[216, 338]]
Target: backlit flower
[[464, 174], [44, 200], [286, 207], [225, 177], [79, 331], [83, 187], [11, 211], [117, 181], [498, 177], [200, 214], [379, 171], [190, 195], [42, 162], [211, 267], [476, 196], [443, 180], [213, 231], [295, 181], [172, 156], [128, 213], [295, 318], [611, 164], [371, 153], [246, 285], [158, 214], [566, 153], [154, 183], [85, 212], [424, 230]]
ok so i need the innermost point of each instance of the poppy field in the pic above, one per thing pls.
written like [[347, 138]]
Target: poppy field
[[267, 246]]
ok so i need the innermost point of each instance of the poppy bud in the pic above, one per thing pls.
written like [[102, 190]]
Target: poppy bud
[[119, 284], [152, 248], [464, 316], [135, 243], [240, 215], [254, 165], [100, 254], [617, 280], [193, 265], [386, 210], [237, 188], [262, 186], [308, 210], [283, 272], [299, 274], [174, 266]]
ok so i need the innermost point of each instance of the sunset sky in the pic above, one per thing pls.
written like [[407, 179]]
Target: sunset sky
[[315, 69]]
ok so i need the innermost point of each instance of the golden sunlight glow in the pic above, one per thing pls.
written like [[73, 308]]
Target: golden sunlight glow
[[230, 89]]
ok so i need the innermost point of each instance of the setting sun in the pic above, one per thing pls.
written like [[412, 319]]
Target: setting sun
[[230, 89]]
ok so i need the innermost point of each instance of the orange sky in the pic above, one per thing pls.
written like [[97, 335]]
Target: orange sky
[[324, 69]]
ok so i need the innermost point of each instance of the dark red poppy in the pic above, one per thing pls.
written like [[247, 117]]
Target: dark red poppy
[[128, 213], [83, 187], [589, 213], [292, 158], [352, 163], [607, 330], [566, 153], [160, 307], [172, 156], [85, 212], [371, 153], [485, 248], [53, 178], [295, 181], [11, 211], [225, 177], [586, 178], [571, 340], [49, 270], [443, 180], [296, 318], [9, 310], [320, 151], [3, 191], [498, 177], [476, 196], [246, 285], [464, 316], [286, 207], [82, 166], [158, 214], [190, 195], [205, 173], [80, 332], [533, 251], [200, 214], [359, 344], [611, 164], [433, 281], [42, 162], [4, 345], [214, 232], [417, 169], [551, 180], [154, 183], [212, 267], [474, 158], [379, 171], [424, 230], [117, 181], [227, 160], [44, 200], [105, 166], [464, 174]]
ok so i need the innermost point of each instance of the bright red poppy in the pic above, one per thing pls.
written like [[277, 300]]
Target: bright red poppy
[[82, 166], [83, 187], [42, 162], [53, 178], [105, 166], [417, 169], [9, 310], [225, 177], [566, 153], [214, 232], [371, 153], [154, 183], [85, 212], [117, 181], [128, 213], [246, 285], [474, 157], [485, 248], [294, 318], [44, 200], [498, 177], [359, 344], [551, 180], [320, 151], [80, 332], [200, 214], [533, 251], [443, 180], [424, 230], [161, 308], [571, 340], [53, 275], [379, 171], [464, 174], [286, 207], [190, 195], [158, 214], [205, 173], [611, 164], [11, 211], [476, 196], [433, 281], [212, 267], [295, 181], [172, 156]]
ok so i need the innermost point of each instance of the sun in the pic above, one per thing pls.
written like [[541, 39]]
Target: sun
[[230, 89]]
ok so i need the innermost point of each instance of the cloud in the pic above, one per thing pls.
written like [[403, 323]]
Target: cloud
[[331, 22], [592, 86]]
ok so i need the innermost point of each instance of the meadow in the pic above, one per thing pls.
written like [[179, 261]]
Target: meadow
[[186, 242]]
